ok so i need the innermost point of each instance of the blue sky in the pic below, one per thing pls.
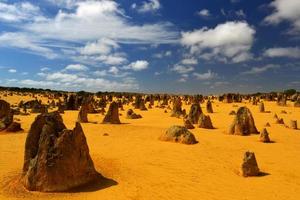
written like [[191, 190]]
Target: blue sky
[[182, 46]]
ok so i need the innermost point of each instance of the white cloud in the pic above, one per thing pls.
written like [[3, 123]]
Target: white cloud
[[189, 61], [114, 70], [147, 6], [290, 52], [205, 76], [138, 65], [259, 70], [285, 10], [61, 77], [76, 67], [12, 70], [114, 59], [17, 12], [181, 69], [204, 13], [100, 73], [102, 46], [25, 42], [92, 20], [45, 69], [219, 42]]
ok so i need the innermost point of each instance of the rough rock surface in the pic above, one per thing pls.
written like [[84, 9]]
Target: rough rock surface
[[56, 159], [264, 136], [205, 122], [249, 166], [243, 124], [112, 115], [194, 113], [178, 134]]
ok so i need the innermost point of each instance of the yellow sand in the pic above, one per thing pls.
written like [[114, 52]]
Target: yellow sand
[[142, 167]]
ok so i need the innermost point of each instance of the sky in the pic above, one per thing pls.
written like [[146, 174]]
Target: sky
[[164, 46]]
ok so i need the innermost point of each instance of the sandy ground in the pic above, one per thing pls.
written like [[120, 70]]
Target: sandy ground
[[139, 166]]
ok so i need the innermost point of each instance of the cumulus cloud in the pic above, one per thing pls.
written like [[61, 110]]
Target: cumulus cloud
[[205, 76], [92, 20], [102, 46], [285, 10], [259, 70], [219, 42], [182, 69], [76, 67], [147, 6], [138, 65], [289, 52]]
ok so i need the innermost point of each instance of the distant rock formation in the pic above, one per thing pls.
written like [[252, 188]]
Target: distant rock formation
[[194, 113], [131, 115], [112, 115], [188, 124], [177, 110], [264, 136], [209, 108], [243, 124], [205, 122], [261, 107]]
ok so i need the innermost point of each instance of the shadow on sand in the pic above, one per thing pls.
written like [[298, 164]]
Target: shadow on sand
[[99, 183]]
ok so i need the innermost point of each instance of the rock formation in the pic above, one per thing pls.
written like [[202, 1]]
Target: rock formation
[[83, 114], [249, 166], [177, 110], [209, 108], [112, 115], [264, 136], [178, 134], [194, 113], [261, 107], [56, 159], [188, 124], [131, 115], [205, 122], [243, 123], [293, 124], [6, 115]]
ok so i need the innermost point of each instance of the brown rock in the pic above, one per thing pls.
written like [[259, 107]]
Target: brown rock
[[232, 112], [243, 124], [249, 166], [83, 114], [209, 108], [56, 159], [177, 110], [131, 115], [112, 115], [264, 136], [293, 124], [261, 107], [188, 124], [14, 127], [205, 122], [178, 134], [194, 113]]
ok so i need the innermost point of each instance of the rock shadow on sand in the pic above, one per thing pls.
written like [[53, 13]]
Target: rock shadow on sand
[[100, 183]]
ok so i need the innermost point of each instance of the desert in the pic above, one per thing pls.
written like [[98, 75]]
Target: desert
[[133, 163]]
